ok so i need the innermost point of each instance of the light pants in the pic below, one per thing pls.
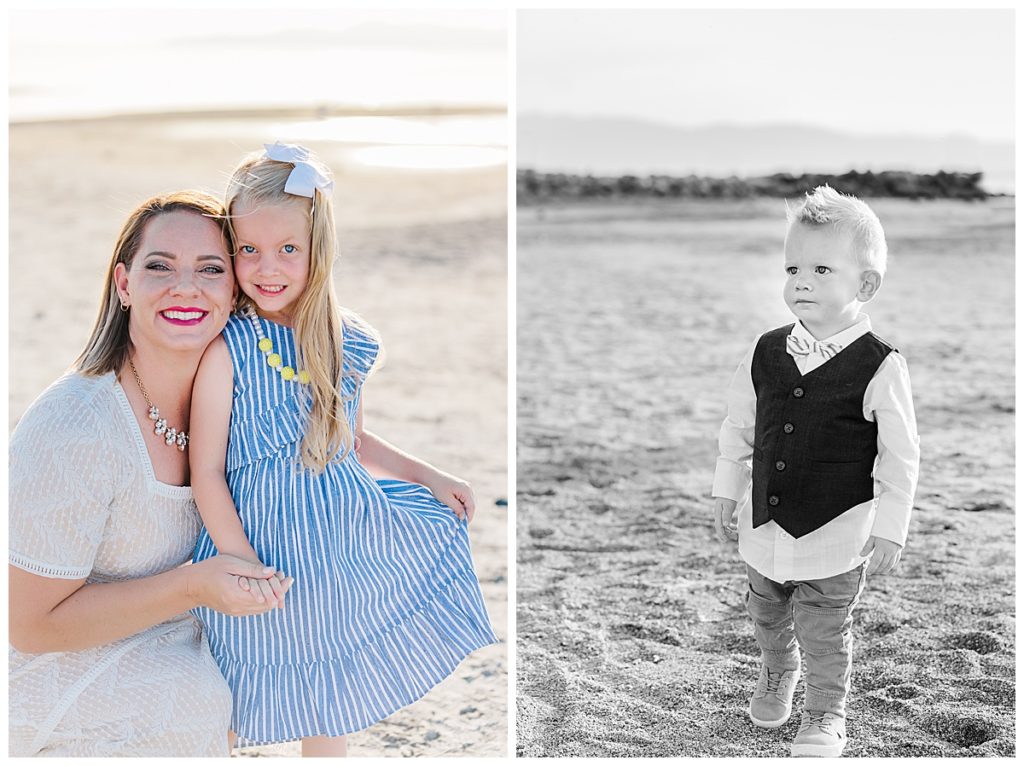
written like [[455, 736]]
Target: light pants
[[816, 616]]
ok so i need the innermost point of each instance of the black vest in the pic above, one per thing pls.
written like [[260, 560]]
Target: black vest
[[813, 450]]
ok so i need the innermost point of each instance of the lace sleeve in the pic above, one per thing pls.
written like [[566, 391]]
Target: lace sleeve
[[61, 487]]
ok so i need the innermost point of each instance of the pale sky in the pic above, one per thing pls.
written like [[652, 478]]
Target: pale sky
[[93, 61], [931, 72]]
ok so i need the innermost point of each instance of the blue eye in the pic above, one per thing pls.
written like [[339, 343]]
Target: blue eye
[[289, 249], [247, 250], [157, 266], [791, 269], [213, 270], [822, 269]]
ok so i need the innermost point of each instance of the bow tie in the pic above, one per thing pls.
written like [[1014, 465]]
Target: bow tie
[[800, 347]]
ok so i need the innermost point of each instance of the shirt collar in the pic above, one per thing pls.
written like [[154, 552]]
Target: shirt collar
[[842, 338]]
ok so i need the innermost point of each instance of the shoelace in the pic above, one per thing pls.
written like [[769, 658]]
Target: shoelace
[[817, 719], [774, 681]]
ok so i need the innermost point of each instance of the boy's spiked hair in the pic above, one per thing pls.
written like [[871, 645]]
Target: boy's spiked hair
[[825, 206]]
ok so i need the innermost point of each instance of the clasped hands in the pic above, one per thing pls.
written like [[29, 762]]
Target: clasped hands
[[239, 586], [885, 554], [269, 591]]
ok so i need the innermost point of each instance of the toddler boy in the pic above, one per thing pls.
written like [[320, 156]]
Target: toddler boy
[[821, 424]]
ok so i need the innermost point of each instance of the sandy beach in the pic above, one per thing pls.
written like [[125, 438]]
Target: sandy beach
[[632, 636], [423, 260]]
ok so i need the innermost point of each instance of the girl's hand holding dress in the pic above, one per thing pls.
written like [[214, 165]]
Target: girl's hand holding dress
[[381, 458], [453, 492]]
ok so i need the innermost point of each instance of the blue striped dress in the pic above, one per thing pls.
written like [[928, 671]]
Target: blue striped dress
[[385, 602]]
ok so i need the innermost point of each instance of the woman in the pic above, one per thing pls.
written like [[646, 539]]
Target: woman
[[104, 659]]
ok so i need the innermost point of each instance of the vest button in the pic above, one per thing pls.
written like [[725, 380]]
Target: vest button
[[780, 466], [798, 392], [773, 500], [788, 428]]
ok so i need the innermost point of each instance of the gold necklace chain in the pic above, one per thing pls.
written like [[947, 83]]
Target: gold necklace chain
[[172, 436]]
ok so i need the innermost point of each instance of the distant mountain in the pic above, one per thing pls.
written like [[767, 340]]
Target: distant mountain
[[613, 146]]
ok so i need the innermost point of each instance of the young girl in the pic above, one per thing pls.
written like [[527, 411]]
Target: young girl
[[385, 602]]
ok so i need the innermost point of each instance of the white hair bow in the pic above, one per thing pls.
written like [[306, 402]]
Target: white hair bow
[[304, 178]]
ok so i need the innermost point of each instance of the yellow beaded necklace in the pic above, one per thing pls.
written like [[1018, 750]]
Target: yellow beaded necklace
[[274, 359]]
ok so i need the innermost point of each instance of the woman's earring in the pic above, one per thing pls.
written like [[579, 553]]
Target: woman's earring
[[125, 306]]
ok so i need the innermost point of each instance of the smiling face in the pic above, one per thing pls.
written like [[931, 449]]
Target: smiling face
[[272, 256], [179, 284], [825, 285]]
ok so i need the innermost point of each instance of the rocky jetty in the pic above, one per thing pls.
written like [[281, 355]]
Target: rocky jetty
[[537, 187]]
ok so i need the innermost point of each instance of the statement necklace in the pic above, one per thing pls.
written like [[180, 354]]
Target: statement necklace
[[273, 359], [172, 436]]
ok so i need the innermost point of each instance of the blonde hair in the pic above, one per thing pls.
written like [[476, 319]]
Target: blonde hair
[[110, 344], [826, 206], [318, 318]]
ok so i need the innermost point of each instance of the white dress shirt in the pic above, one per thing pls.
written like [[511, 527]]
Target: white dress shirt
[[835, 547]]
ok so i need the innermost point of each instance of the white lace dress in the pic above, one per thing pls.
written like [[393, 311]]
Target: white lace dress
[[84, 503]]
